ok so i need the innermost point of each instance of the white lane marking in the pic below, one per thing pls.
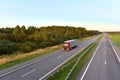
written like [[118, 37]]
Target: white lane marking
[[28, 73], [114, 50], [105, 52], [90, 61], [105, 62], [59, 56]]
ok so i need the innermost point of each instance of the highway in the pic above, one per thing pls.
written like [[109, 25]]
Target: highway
[[104, 64], [39, 68]]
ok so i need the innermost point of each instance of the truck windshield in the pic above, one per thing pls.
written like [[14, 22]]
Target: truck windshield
[[65, 45]]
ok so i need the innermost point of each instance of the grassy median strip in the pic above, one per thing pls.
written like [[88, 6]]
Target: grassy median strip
[[63, 73]]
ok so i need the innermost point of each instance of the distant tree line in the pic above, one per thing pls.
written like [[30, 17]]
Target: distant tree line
[[114, 32], [26, 40], [92, 32]]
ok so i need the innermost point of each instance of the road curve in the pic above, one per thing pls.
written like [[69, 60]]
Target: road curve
[[38, 67], [104, 63]]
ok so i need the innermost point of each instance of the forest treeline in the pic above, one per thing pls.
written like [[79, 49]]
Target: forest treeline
[[114, 32], [26, 40]]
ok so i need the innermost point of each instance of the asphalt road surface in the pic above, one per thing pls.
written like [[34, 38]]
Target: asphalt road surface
[[104, 63], [37, 68]]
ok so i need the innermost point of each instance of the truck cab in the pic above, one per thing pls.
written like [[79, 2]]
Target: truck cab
[[68, 45]]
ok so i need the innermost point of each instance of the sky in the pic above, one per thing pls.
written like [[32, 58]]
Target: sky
[[102, 15]]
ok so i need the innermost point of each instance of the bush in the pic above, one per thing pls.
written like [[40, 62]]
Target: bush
[[43, 44], [27, 46], [7, 47]]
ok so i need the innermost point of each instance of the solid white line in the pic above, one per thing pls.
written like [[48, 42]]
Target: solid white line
[[59, 56], [105, 52], [105, 62], [28, 73], [114, 50], [62, 63], [90, 61]]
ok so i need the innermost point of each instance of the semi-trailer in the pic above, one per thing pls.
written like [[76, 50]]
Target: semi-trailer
[[69, 44]]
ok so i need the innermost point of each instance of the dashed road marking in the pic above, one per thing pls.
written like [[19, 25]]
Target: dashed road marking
[[59, 56], [105, 62], [105, 52], [28, 73]]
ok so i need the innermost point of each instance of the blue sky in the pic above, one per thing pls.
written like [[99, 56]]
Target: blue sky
[[103, 15]]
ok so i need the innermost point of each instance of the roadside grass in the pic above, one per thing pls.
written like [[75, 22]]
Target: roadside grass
[[115, 38], [62, 73], [14, 59], [83, 39], [7, 61]]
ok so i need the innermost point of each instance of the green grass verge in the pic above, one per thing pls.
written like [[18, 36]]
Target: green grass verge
[[83, 39], [61, 74], [115, 38], [18, 61]]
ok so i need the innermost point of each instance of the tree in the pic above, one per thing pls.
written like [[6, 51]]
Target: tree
[[22, 33], [16, 33]]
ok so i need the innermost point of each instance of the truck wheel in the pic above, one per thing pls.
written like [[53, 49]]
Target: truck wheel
[[67, 49]]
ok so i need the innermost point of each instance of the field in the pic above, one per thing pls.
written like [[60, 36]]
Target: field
[[115, 38]]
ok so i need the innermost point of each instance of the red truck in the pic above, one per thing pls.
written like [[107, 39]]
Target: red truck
[[68, 45]]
